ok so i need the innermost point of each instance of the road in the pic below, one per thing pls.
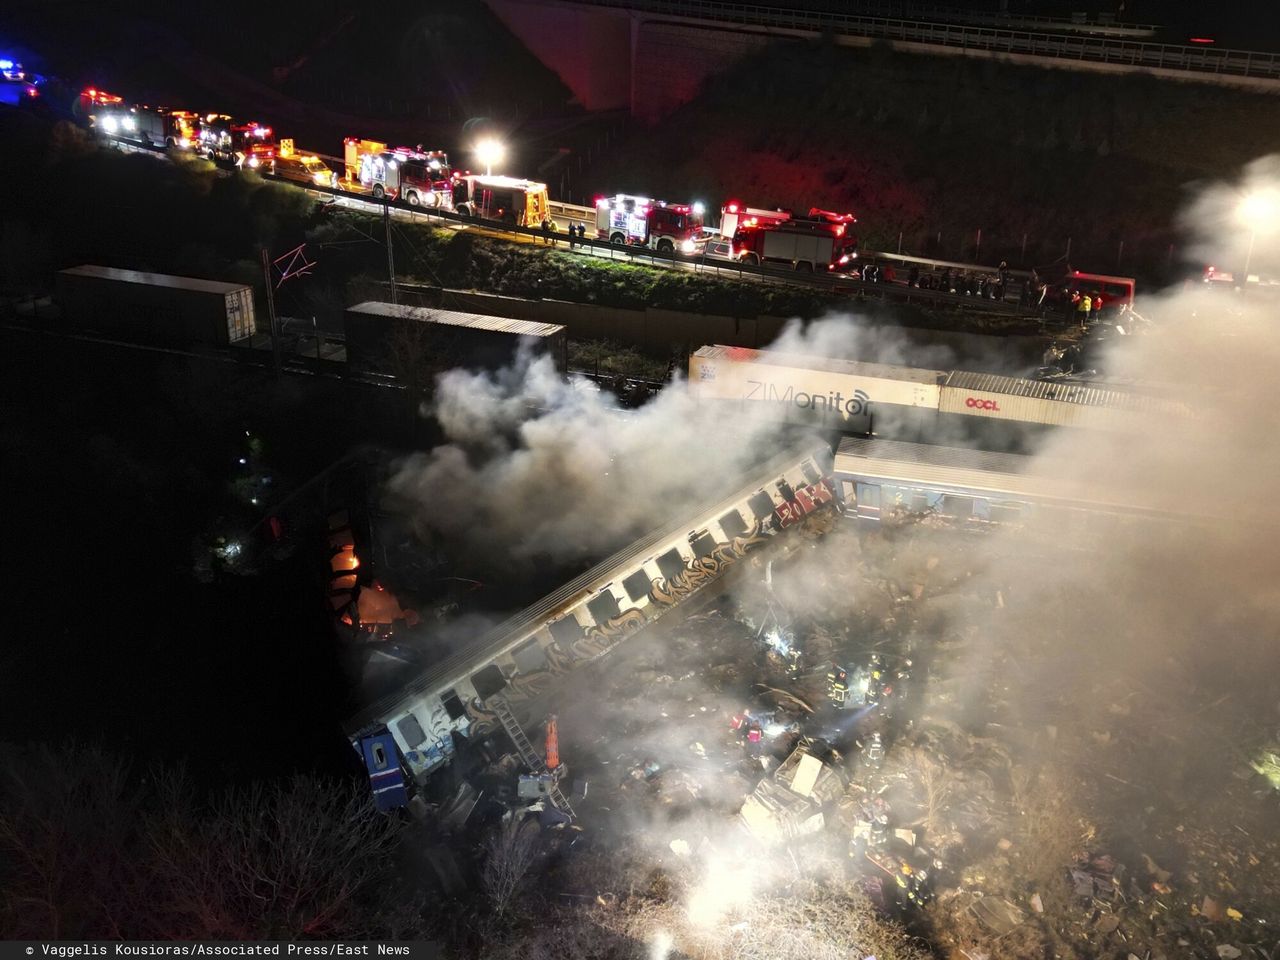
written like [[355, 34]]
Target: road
[[837, 283]]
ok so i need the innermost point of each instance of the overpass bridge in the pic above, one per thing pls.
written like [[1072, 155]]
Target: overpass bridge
[[651, 56]]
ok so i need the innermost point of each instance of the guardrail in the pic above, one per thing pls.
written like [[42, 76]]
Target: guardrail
[[1093, 49]]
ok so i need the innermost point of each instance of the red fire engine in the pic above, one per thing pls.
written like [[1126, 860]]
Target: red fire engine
[[821, 241], [666, 227], [416, 176], [247, 144], [734, 215]]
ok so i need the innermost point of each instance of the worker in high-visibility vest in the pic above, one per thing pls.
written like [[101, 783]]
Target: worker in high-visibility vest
[[1083, 307]]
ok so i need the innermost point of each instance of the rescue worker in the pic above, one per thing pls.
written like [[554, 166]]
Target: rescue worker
[[551, 232], [1097, 305], [573, 233], [546, 230], [909, 884], [582, 232], [1083, 308]]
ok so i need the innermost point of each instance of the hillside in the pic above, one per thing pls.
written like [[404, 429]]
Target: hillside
[[939, 148]]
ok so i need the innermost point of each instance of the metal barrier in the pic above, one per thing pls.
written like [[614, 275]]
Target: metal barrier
[[1093, 49]]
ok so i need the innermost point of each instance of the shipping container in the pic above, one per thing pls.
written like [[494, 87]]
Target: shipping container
[[1056, 404], [155, 306], [843, 394], [441, 338]]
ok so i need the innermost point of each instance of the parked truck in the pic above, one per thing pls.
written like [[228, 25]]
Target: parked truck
[[421, 178], [820, 241], [381, 337], [517, 203], [156, 307], [666, 227]]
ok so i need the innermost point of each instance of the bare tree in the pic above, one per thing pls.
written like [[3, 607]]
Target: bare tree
[[288, 859], [509, 853]]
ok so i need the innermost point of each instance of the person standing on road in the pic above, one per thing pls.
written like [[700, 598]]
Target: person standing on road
[[1097, 306], [546, 230], [582, 232]]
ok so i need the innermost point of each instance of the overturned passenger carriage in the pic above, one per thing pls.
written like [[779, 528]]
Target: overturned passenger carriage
[[454, 702]]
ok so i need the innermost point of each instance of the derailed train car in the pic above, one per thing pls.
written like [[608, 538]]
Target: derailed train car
[[424, 725], [908, 403]]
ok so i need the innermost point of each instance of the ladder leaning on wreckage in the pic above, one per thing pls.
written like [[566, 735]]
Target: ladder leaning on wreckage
[[484, 686]]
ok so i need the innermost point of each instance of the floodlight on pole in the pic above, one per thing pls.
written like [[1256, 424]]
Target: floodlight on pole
[[489, 152], [1257, 210]]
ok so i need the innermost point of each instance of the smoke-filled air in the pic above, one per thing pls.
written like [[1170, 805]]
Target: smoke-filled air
[[1071, 747]]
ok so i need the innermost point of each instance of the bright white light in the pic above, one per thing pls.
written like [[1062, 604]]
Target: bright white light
[[660, 949], [688, 246], [1259, 209], [490, 151], [243, 461], [130, 123], [110, 124], [699, 208], [722, 891]]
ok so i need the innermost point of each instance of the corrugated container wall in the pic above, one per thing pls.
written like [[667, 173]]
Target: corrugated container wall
[[156, 307]]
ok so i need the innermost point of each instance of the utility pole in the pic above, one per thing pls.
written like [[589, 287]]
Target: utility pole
[[271, 313], [391, 259]]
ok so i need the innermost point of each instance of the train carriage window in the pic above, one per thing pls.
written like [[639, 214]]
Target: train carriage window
[[919, 503], [1005, 512], [488, 681], [529, 657], [787, 492], [733, 525], [847, 487], [566, 630], [761, 505], [671, 564], [811, 475], [961, 508], [604, 607], [637, 585], [410, 731], [453, 705], [704, 544]]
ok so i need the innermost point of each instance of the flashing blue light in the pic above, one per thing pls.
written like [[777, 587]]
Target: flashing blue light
[[6, 64]]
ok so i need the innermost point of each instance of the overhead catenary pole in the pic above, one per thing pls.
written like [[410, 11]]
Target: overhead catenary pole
[[276, 363], [391, 259]]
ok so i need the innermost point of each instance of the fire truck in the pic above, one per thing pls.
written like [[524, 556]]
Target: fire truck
[[421, 178], [245, 144], [666, 227], [821, 241], [519, 203], [150, 126]]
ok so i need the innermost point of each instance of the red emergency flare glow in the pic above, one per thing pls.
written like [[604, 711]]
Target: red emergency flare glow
[[1201, 40], [732, 208], [32, 92]]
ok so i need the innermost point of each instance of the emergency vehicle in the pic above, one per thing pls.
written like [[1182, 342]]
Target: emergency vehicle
[[302, 167], [246, 144], [12, 70], [418, 177], [666, 227], [821, 241], [520, 203], [151, 126]]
